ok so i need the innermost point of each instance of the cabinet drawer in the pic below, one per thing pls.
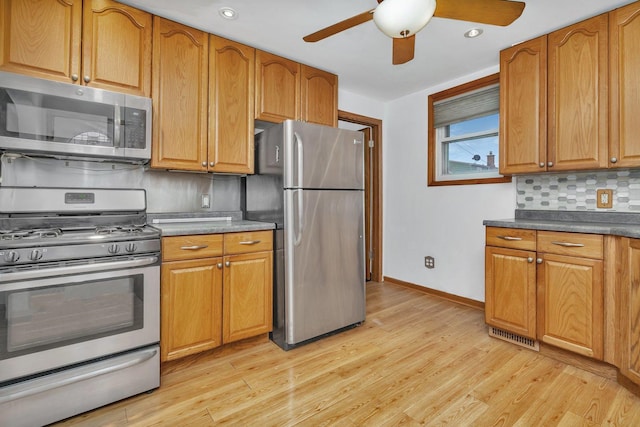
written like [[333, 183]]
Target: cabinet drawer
[[191, 247], [249, 241], [515, 238], [572, 244]]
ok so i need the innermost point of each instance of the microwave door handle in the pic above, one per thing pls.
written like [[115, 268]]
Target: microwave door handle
[[117, 116]]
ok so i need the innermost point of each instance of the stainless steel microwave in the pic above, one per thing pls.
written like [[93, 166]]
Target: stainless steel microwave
[[45, 117]]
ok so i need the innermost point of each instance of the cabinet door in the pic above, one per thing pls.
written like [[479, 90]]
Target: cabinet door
[[41, 39], [570, 301], [578, 96], [510, 290], [319, 96], [624, 63], [231, 95], [191, 307], [523, 107], [180, 79], [247, 308], [116, 47], [277, 88], [629, 318]]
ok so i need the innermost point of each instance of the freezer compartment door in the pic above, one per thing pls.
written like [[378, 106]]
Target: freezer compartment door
[[324, 262], [319, 156]]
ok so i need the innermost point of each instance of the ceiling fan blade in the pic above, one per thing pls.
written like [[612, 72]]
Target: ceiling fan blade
[[340, 26], [403, 49], [493, 12]]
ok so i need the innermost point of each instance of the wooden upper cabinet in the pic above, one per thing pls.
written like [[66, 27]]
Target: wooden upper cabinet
[[624, 69], [41, 38], [277, 88], [319, 96], [231, 110], [116, 47], [578, 96], [180, 87], [523, 107], [44, 38]]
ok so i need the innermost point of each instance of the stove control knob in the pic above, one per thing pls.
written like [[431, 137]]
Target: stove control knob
[[131, 247], [113, 249], [35, 255], [11, 257]]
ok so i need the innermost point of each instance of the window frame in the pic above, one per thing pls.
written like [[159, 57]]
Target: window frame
[[434, 152]]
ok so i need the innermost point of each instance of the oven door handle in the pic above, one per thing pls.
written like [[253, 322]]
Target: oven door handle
[[61, 379], [76, 269]]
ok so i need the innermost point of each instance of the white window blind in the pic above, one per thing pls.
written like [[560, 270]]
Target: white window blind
[[467, 106]]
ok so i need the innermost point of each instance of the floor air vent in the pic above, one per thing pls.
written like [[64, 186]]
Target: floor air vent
[[514, 338]]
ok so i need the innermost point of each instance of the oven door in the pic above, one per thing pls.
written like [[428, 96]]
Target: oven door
[[64, 319]]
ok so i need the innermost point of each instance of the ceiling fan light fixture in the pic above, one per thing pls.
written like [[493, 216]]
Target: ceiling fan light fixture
[[403, 18]]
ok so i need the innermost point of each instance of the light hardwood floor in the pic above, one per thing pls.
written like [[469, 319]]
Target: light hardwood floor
[[417, 360]]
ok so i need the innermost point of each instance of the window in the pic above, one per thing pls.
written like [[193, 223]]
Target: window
[[463, 134]]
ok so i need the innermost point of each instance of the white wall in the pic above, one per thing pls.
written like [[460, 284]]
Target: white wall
[[444, 222]]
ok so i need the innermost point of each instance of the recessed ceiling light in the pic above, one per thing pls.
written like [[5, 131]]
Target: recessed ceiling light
[[228, 13], [474, 32]]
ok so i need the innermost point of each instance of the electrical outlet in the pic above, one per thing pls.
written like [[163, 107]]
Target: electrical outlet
[[205, 201], [604, 198], [429, 262]]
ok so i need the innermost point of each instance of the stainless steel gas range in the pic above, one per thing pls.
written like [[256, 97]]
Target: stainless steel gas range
[[79, 301]]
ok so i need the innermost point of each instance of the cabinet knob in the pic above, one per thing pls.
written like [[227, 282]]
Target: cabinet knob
[[550, 164], [219, 265], [204, 164], [539, 261], [227, 263], [86, 79], [211, 164], [530, 260], [74, 77], [541, 164], [614, 160]]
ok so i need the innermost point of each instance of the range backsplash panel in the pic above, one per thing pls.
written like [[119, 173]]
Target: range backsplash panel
[[166, 191], [576, 191]]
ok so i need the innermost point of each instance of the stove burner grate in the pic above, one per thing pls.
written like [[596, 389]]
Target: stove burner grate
[[37, 233], [119, 229]]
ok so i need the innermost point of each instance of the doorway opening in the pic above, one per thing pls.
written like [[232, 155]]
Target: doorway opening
[[372, 129]]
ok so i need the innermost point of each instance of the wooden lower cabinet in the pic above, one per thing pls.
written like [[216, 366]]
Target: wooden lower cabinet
[[570, 304], [547, 286], [247, 308], [510, 299], [215, 289], [191, 308], [629, 311]]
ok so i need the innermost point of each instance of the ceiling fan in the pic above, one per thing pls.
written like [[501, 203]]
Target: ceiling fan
[[402, 19]]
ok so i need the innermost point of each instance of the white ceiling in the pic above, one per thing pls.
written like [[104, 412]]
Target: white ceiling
[[361, 56]]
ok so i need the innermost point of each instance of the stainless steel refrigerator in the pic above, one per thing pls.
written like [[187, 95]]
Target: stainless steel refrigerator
[[310, 181]]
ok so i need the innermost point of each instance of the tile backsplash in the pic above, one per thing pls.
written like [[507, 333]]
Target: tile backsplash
[[576, 191]]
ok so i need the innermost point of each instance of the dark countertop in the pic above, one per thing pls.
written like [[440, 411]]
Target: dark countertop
[[608, 223], [182, 224]]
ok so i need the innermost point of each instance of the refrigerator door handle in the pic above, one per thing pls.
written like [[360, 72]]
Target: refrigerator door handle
[[300, 215], [300, 158]]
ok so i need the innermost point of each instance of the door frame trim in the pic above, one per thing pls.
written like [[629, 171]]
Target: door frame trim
[[376, 215]]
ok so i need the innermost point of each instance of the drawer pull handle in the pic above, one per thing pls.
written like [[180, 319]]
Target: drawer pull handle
[[510, 238], [250, 242], [194, 248], [568, 244]]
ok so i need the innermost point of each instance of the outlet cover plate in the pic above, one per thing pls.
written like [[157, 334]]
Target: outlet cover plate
[[604, 198]]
